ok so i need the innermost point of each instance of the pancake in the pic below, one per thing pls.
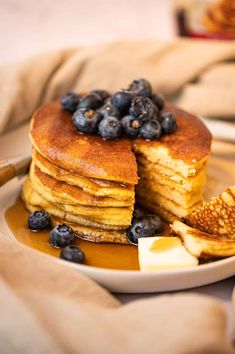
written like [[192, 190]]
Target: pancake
[[88, 233], [61, 211], [165, 175], [155, 202], [185, 200], [54, 136], [99, 188], [70, 194]]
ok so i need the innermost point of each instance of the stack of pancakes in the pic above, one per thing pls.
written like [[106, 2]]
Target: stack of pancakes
[[89, 183]]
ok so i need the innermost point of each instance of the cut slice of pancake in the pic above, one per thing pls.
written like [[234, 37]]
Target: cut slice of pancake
[[216, 216], [70, 194], [155, 202], [109, 219], [185, 200], [165, 175], [99, 188], [201, 244]]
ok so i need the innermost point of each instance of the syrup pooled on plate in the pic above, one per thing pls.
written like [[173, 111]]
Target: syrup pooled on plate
[[101, 255]]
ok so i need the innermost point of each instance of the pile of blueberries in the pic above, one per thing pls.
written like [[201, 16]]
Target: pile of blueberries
[[62, 236], [133, 112]]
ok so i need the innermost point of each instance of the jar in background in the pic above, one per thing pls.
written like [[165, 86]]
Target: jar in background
[[213, 19]]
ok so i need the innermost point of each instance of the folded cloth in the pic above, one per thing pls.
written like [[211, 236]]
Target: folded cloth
[[188, 70], [49, 308]]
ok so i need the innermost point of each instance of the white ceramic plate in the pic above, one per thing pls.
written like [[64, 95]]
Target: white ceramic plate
[[131, 281]]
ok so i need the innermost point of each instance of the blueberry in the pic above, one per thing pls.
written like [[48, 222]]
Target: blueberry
[[61, 236], [145, 226], [69, 101], [109, 110], [168, 122], [86, 120], [151, 130], [142, 108], [141, 227], [130, 126], [156, 223], [91, 101], [110, 128], [72, 254], [141, 87], [39, 220], [122, 100], [103, 94], [158, 101]]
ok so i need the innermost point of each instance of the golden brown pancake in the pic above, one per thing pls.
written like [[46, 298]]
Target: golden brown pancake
[[97, 187], [54, 136], [70, 194], [70, 213], [88, 233]]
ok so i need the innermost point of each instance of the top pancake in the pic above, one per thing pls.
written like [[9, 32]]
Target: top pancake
[[54, 136]]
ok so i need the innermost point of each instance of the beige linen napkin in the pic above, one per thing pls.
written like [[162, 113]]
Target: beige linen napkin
[[48, 308], [200, 74]]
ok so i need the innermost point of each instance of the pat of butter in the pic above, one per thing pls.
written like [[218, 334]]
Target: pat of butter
[[164, 253]]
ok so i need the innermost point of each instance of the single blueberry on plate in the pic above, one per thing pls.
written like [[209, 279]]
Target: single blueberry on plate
[[110, 128], [86, 120], [72, 254], [168, 122], [39, 220], [156, 222], [151, 130], [103, 94], [141, 227], [131, 126], [69, 102], [141, 87], [145, 226], [158, 101], [61, 236], [108, 109], [91, 101], [142, 108], [122, 100]]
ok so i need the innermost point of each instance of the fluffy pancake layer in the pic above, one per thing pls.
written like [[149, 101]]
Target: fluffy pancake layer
[[99, 188]]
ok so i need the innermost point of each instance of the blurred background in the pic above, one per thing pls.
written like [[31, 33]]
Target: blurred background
[[29, 26]]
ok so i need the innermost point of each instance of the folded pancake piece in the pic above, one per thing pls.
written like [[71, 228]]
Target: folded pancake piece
[[216, 216], [99, 188], [69, 213], [202, 244]]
